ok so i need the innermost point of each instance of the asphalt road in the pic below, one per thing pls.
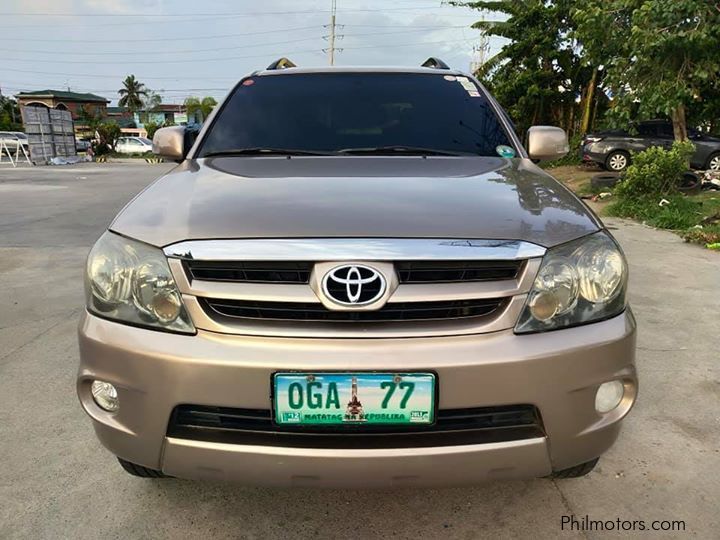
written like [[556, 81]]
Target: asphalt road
[[56, 481]]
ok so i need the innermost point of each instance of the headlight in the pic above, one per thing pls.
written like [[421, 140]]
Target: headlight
[[578, 282], [131, 282]]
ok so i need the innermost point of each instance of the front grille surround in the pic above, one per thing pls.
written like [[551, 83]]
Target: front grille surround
[[456, 287]]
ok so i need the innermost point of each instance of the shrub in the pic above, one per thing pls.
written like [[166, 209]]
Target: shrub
[[108, 134], [655, 172], [151, 128]]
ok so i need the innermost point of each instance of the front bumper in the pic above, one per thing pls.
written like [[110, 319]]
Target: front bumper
[[558, 372]]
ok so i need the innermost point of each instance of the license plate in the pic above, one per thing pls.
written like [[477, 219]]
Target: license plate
[[354, 398]]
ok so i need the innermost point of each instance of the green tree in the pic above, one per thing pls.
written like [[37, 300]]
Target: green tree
[[150, 102], [151, 128], [540, 76], [86, 117], [202, 107], [132, 94], [108, 133], [10, 119], [659, 55]]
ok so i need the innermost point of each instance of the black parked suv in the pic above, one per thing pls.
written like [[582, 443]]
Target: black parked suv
[[611, 149]]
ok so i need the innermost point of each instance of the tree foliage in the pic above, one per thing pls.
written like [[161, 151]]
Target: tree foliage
[[10, 119], [568, 62], [659, 55], [108, 133], [540, 75], [132, 94], [201, 107]]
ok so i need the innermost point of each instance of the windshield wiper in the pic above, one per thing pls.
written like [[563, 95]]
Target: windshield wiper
[[262, 151], [418, 150]]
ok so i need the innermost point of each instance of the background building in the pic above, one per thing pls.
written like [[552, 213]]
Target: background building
[[65, 101]]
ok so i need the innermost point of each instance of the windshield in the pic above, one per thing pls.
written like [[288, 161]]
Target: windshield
[[331, 112]]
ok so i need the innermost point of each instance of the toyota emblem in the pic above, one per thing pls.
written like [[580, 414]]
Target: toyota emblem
[[353, 285]]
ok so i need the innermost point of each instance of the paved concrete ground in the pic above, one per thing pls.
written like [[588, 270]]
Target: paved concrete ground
[[56, 481]]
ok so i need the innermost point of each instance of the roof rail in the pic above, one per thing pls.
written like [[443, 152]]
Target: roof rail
[[435, 63], [281, 63]]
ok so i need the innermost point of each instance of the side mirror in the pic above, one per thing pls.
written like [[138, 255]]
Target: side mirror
[[547, 143], [169, 142]]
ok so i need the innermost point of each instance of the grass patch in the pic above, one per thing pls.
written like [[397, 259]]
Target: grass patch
[[695, 218], [681, 213]]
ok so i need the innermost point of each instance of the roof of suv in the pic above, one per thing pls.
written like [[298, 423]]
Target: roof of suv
[[360, 69]]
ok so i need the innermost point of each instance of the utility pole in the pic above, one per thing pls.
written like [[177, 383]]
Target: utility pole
[[333, 13], [333, 36], [480, 53]]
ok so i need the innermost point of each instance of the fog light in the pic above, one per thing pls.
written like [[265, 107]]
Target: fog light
[[105, 395], [609, 395]]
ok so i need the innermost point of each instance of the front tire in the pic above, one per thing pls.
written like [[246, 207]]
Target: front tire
[[617, 161], [713, 163], [140, 471], [577, 471]]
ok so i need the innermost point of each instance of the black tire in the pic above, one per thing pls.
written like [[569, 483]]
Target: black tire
[[604, 180], [713, 161], [617, 161], [577, 471], [140, 471], [689, 183]]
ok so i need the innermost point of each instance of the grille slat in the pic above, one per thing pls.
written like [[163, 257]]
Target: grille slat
[[401, 311], [298, 272], [456, 426], [456, 271], [249, 272]]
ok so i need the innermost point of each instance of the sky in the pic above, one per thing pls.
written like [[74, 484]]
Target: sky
[[180, 48]]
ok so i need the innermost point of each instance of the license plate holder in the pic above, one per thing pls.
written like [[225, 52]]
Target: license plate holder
[[357, 399]]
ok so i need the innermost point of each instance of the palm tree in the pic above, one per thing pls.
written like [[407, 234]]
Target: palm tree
[[202, 108], [132, 94]]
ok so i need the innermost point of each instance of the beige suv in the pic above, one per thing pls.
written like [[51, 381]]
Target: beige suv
[[357, 277]]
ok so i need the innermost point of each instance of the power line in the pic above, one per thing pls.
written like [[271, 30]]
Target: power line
[[200, 18], [147, 40], [22, 86], [183, 61], [231, 14], [95, 75], [214, 49], [226, 58]]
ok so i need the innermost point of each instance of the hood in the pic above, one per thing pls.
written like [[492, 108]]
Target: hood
[[356, 196]]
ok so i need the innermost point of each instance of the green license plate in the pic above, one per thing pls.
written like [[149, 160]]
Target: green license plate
[[354, 398]]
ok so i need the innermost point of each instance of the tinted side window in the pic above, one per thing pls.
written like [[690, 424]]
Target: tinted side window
[[647, 130], [666, 131]]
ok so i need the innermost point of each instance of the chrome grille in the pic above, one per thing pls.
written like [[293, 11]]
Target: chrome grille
[[278, 287]]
